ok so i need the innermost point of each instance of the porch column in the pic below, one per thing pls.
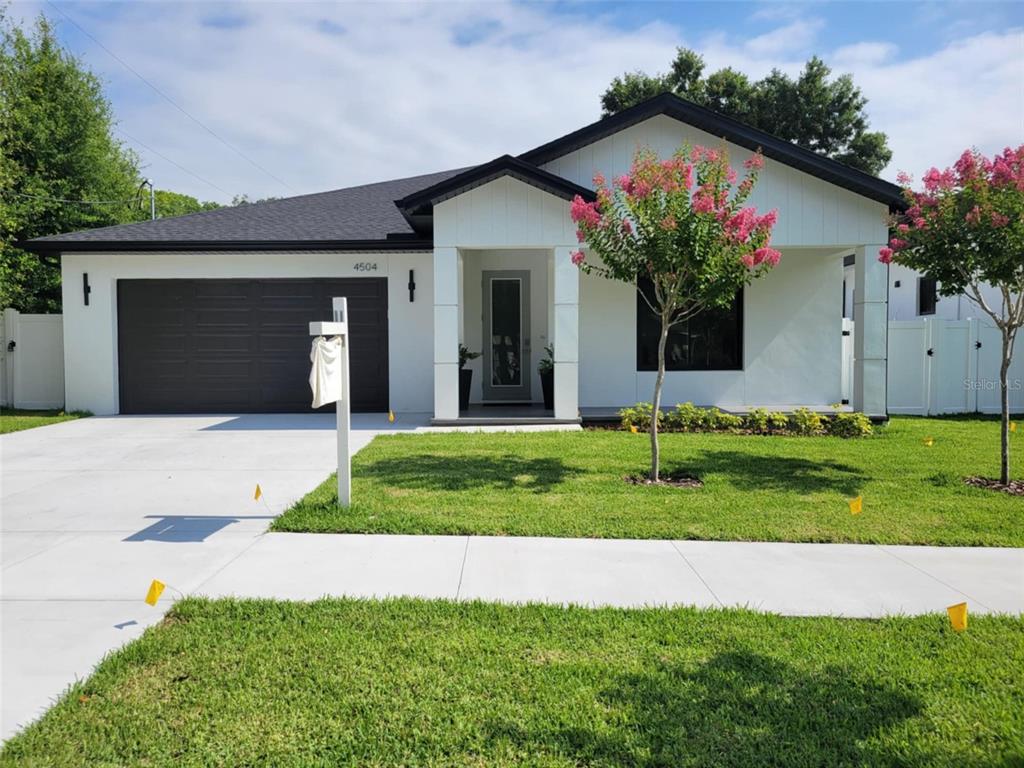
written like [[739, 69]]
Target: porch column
[[446, 333], [871, 332], [566, 334]]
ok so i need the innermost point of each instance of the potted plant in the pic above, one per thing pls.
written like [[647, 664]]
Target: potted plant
[[546, 369], [465, 375]]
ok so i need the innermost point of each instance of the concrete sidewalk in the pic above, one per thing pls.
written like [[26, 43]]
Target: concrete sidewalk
[[850, 580]]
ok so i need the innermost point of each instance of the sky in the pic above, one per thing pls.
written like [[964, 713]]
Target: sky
[[306, 97]]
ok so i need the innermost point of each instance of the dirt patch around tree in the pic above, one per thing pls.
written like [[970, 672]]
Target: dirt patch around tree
[[1014, 487], [674, 479]]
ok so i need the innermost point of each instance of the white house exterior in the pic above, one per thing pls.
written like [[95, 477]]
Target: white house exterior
[[206, 312], [913, 296]]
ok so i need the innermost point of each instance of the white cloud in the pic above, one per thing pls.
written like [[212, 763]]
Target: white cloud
[[338, 94]]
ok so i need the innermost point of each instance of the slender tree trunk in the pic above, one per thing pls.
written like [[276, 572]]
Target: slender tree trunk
[[1004, 401], [658, 382]]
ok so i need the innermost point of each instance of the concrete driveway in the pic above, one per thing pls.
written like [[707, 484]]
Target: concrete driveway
[[92, 510]]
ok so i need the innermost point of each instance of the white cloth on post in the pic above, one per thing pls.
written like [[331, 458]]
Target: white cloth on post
[[325, 375]]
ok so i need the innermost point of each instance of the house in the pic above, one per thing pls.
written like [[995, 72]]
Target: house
[[913, 296], [209, 312]]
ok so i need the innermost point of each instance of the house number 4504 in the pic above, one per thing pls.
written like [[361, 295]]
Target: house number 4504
[[366, 266]]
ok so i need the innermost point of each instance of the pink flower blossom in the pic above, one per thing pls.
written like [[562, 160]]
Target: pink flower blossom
[[577, 257], [895, 243], [998, 220], [585, 213], [668, 223], [885, 255], [904, 179], [580, 235], [702, 203], [903, 227], [973, 216], [755, 162], [920, 223], [768, 255], [627, 227], [747, 259], [731, 175], [599, 180], [625, 183]]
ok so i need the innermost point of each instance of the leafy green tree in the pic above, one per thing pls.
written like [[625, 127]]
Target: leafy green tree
[[58, 151], [814, 111], [966, 229], [683, 225], [244, 199], [175, 204]]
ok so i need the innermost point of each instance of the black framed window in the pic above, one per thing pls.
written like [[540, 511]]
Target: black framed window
[[927, 295], [711, 341]]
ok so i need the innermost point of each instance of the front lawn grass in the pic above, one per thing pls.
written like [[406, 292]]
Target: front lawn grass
[[15, 420], [406, 682], [756, 488]]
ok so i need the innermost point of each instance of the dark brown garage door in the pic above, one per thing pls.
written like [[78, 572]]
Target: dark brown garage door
[[242, 346]]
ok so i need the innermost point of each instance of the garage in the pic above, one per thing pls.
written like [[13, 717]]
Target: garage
[[242, 345]]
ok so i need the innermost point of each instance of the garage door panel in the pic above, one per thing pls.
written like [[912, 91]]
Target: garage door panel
[[189, 346]]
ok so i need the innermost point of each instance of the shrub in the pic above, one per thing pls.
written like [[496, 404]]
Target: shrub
[[757, 420], [778, 421], [849, 425], [806, 422], [639, 416], [717, 419], [686, 417]]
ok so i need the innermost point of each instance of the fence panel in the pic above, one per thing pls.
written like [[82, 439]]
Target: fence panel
[[953, 365], [909, 368], [34, 360], [986, 381]]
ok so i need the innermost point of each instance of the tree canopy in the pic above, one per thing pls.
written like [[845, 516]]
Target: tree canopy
[[61, 167], [818, 112]]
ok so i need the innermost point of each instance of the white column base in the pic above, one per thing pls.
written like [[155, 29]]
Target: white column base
[[567, 387], [446, 390]]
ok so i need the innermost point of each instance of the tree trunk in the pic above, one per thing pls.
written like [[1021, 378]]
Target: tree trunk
[[656, 409], [1004, 402]]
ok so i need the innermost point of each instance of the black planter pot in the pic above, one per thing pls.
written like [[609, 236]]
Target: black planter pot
[[547, 387], [465, 382]]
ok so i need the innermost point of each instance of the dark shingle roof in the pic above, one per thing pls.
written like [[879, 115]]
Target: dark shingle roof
[[343, 217]]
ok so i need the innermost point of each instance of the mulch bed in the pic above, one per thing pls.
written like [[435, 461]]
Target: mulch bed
[[673, 479], [1014, 487]]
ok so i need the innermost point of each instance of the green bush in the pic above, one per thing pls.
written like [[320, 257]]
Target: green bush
[[686, 418], [778, 421], [639, 416], [719, 420], [805, 422], [757, 420], [849, 425]]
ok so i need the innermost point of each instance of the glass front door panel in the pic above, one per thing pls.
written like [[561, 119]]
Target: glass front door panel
[[506, 333]]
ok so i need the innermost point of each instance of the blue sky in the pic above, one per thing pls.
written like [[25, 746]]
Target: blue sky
[[324, 95]]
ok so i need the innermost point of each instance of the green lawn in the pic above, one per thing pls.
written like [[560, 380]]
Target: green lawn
[[756, 488], [364, 683], [12, 420]]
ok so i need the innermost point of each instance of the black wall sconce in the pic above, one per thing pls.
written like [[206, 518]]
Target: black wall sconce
[[86, 288], [412, 285]]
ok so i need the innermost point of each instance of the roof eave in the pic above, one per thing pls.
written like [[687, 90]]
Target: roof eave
[[397, 243]]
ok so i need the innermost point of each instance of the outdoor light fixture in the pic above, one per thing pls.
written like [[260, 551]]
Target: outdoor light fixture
[[86, 289], [412, 285]]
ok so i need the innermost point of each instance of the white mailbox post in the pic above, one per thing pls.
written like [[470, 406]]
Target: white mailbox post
[[339, 327]]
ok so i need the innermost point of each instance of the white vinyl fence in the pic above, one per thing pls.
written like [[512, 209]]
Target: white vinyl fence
[[31, 360], [944, 366]]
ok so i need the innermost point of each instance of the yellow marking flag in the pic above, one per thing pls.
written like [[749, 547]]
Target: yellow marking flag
[[928, 442], [856, 505], [958, 616], [391, 417], [258, 494], [1013, 426], [155, 590], [633, 429]]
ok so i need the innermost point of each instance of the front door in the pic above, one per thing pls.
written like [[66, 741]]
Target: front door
[[506, 368]]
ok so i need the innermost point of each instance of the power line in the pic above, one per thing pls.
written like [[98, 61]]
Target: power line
[[172, 162], [65, 200], [171, 101]]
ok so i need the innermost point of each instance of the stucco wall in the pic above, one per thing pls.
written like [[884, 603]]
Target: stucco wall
[[90, 332], [792, 336], [812, 212]]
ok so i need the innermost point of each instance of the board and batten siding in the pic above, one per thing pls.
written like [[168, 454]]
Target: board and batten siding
[[503, 213], [90, 332], [812, 212]]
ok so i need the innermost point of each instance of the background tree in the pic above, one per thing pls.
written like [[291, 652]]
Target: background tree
[[823, 115], [680, 223], [61, 168], [965, 228]]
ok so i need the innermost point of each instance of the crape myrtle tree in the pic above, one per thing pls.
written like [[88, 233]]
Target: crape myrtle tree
[[966, 228], [681, 227]]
